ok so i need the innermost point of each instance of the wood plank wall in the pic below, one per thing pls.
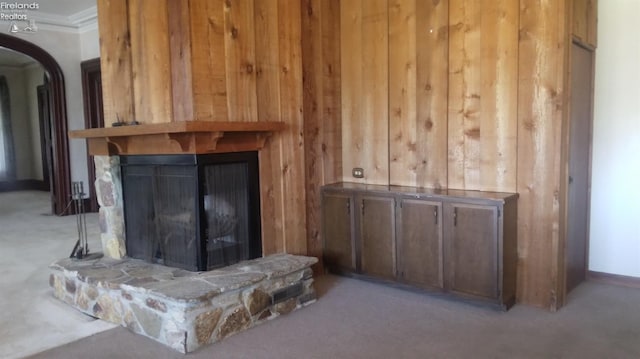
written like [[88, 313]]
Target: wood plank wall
[[151, 61], [322, 107], [473, 98], [219, 60], [263, 67], [445, 94], [418, 87], [115, 61], [541, 113], [364, 89], [483, 80]]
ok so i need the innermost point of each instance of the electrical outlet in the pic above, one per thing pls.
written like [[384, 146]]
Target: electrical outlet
[[358, 172]]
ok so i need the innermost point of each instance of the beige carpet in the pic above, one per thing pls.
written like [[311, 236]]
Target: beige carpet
[[31, 320], [357, 319]]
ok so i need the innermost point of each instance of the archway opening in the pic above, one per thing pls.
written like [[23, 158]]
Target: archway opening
[[60, 171]]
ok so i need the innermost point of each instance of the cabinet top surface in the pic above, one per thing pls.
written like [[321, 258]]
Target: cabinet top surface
[[421, 192]]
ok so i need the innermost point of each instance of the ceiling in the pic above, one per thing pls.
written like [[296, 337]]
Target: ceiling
[[65, 7]]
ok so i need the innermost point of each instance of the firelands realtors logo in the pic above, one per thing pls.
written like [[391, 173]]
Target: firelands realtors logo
[[18, 15]]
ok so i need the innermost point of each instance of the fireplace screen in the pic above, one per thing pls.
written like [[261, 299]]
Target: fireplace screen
[[196, 212]]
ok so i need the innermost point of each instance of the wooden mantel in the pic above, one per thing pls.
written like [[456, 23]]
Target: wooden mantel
[[185, 137]]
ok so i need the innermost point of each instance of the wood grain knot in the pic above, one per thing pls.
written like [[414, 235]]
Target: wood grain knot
[[473, 132], [428, 124], [310, 9]]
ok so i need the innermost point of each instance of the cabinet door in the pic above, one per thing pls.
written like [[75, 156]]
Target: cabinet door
[[337, 229], [419, 242], [377, 236], [471, 257]]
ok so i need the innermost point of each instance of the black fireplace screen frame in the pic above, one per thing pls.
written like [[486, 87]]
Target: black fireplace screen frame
[[199, 163]]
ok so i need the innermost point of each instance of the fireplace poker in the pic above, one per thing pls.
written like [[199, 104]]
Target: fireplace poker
[[81, 249]]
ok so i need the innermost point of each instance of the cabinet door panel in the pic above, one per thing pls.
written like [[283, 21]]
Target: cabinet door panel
[[420, 243], [471, 234], [337, 226], [377, 228]]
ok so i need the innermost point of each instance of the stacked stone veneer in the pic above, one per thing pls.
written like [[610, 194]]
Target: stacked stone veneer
[[109, 194], [185, 310]]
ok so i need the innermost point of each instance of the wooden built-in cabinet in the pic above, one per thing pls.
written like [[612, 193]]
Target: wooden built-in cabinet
[[452, 241], [472, 239], [420, 250], [377, 235], [339, 247]]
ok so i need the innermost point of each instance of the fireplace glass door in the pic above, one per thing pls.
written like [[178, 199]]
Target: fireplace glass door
[[196, 212]]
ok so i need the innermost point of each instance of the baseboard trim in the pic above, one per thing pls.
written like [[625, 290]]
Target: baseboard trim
[[616, 279], [23, 185]]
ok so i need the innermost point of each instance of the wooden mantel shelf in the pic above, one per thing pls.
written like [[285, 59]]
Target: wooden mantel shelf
[[192, 137]]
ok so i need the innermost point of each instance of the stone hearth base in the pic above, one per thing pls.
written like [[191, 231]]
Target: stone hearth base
[[185, 310]]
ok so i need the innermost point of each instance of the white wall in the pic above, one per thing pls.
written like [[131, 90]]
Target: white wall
[[33, 79], [20, 121], [66, 49], [90, 44], [615, 199]]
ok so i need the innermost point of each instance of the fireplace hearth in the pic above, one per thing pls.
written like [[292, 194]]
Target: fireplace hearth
[[195, 212]]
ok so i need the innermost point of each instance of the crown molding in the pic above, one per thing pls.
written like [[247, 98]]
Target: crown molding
[[79, 22]]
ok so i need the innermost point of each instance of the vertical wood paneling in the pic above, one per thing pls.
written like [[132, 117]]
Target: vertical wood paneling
[[351, 70], [208, 60], [148, 25], [267, 60], [483, 95], [181, 75], [292, 139], [322, 127], [432, 25], [498, 96], [268, 97], [372, 137], [418, 65], [464, 94], [240, 60], [115, 61], [455, 94], [331, 114], [364, 36], [405, 156], [271, 198], [542, 55], [277, 27], [313, 100]]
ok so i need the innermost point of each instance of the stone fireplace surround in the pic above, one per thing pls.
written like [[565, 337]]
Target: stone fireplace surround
[[181, 309]]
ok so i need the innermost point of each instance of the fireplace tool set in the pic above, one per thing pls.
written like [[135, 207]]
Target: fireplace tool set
[[81, 249]]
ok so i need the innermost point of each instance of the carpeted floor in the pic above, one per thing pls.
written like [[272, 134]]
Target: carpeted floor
[[31, 320], [357, 319]]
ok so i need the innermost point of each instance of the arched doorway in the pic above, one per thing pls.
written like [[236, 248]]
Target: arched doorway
[[60, 176]]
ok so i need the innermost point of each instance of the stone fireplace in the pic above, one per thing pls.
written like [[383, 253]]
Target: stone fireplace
[[177, 175]]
